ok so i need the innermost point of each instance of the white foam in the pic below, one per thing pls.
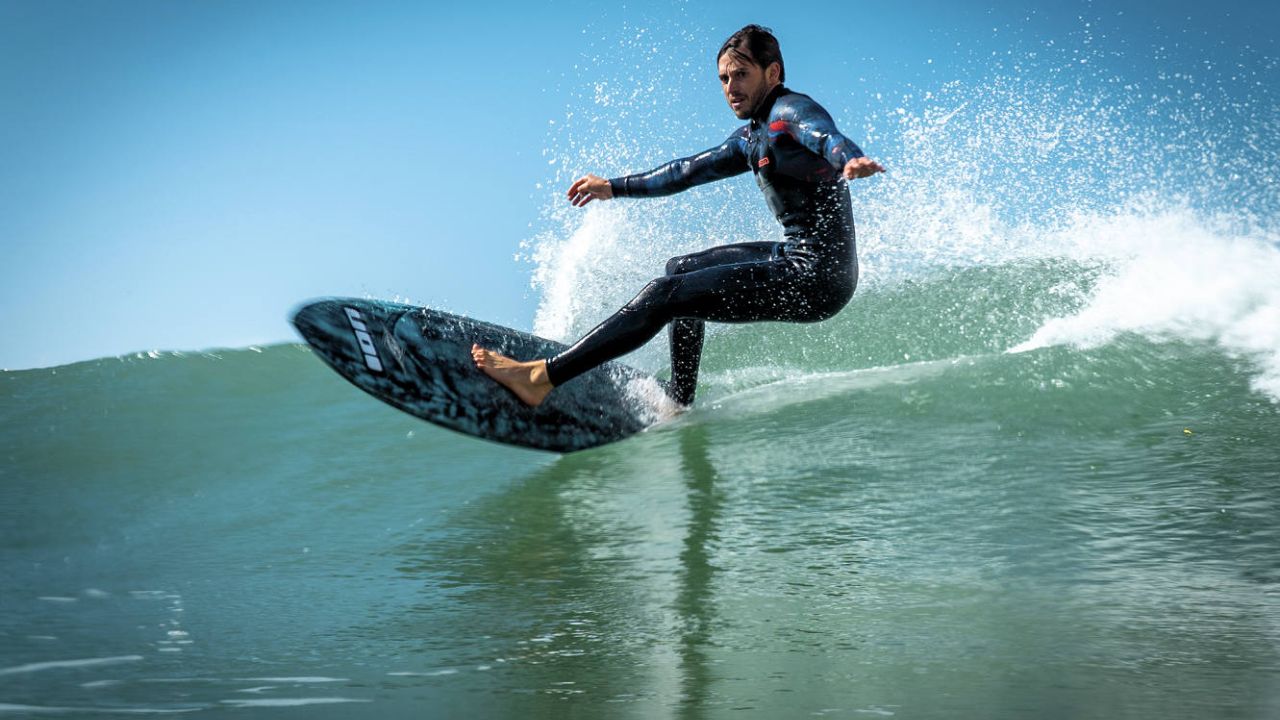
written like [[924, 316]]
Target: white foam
[[57, 710], [56, 664], [810, 387], [591, 256], [291, 702], [655, 405], [301, 679], [1178, 275]]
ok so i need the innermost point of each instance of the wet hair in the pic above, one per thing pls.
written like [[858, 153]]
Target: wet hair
[[757, 45]]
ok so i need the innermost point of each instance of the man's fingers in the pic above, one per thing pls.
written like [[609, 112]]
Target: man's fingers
[[862, 167], [588, 188], [579, 186], [580, 192]]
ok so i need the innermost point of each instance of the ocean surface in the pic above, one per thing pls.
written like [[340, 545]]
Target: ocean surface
[[1031, 471], [929, 526]]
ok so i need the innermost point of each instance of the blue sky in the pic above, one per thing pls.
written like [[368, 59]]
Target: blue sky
[[179, 175]]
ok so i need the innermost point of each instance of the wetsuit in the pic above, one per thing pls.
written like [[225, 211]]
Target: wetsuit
[[797, 155]]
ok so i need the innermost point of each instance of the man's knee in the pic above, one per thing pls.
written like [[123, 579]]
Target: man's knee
[[654, 296], [678, 265]]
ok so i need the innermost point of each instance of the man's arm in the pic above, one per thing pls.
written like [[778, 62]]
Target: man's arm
[[726, 160], [810, 125]]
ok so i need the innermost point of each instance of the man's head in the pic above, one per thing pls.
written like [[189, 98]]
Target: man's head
[[750, 65]]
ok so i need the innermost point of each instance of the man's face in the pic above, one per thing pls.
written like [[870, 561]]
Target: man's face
[[745, 83]]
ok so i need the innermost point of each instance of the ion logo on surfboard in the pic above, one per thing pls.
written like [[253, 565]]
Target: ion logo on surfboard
[[365, 339]]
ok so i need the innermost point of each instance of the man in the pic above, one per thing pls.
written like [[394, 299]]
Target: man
[[800, 161]]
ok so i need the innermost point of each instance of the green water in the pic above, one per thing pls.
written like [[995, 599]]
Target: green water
[[884, 515]]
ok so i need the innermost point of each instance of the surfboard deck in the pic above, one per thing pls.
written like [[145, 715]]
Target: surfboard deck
[[419, 360]]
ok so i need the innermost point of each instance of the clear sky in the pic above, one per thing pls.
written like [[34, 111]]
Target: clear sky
[[179, 175]]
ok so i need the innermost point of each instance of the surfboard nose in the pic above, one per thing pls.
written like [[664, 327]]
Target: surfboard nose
[[317, 322], [342, 333]]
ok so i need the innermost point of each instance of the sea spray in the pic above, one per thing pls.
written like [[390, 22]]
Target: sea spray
[[1149, 198], [1179, 275]]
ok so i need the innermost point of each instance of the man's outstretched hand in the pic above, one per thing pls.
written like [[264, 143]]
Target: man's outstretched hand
[[587, 188], [861, 167]]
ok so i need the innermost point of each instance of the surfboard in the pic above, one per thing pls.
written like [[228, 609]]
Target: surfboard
[[419, 360]]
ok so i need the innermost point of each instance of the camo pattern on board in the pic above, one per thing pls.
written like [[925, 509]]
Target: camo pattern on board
[[419, 360]]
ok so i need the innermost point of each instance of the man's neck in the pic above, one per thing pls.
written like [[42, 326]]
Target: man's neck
[[762, 110]]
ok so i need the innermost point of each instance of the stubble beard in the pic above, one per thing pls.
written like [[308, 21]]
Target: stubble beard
[[749, 107]]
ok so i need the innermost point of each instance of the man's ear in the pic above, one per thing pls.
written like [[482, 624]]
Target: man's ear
[[773, 72]]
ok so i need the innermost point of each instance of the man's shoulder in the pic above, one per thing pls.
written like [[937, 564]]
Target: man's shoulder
[[791, 104]]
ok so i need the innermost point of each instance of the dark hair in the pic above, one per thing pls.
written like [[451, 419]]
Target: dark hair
[[757, 45]]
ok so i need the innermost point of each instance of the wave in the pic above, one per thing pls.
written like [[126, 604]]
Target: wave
[[991, 340], [1048, 206], [1165, 275], [1175, 276], [1039, 209]]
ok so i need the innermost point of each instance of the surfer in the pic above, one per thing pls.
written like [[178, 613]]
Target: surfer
[[800, 161]]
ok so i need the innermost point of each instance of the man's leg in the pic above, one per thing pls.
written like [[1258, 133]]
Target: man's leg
[[767, 289], [787, 287], [686, 334], [685, 337]]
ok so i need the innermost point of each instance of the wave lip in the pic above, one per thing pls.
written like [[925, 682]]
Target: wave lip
[[1176, 277]]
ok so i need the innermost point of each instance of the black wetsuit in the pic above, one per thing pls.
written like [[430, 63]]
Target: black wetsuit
[[797, 155]]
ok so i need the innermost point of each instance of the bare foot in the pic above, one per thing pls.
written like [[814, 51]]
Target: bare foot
[[528, 380]]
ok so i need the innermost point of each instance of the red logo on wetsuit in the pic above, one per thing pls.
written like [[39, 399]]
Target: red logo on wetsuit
[[763, 161]]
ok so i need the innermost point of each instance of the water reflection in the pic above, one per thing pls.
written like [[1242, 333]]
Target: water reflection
[[694, 604], [591, 579], [701, 569]]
